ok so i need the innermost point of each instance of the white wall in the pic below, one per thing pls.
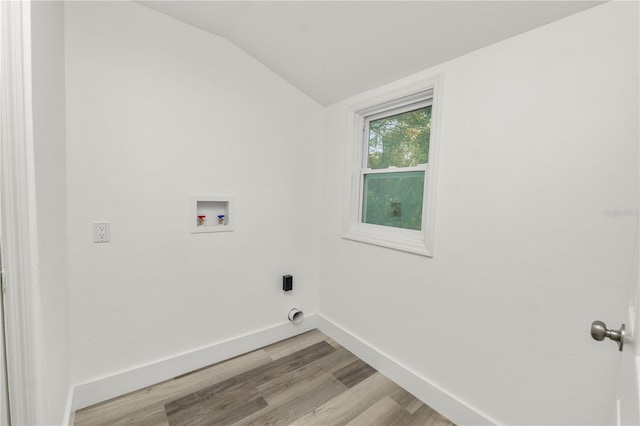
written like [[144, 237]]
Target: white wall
[[539, 140], [50, 161], [158, 110]]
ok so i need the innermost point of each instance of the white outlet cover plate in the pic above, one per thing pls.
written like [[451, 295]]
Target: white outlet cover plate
[[101, 232]]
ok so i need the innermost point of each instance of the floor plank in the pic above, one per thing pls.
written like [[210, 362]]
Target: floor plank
[[240, 389], [219, 401], [385, 412], [291, 384], [149, 416], [130, 405], [306, 380], [314, 394], [351, 403], [354, 373]]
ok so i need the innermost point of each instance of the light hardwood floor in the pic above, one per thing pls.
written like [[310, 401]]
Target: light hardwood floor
[[306, 380]]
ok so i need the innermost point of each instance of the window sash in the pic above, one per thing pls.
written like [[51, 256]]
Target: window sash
[[420, 168], [384, 114]]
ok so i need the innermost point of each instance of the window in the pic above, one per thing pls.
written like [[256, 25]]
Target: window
[[395, 165], [392, 187]]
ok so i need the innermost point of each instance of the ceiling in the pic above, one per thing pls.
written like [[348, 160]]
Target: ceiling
[[332, 50]]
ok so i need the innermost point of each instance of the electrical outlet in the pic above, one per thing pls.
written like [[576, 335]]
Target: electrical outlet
[[101, 232]]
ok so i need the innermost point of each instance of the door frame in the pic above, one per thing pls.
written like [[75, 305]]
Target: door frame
[[18, 229], [5, 414]]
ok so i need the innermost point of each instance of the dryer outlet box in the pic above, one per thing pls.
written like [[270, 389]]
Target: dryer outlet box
[[287, 282]]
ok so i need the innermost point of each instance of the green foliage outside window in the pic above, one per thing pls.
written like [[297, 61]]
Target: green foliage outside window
[[400, 140]]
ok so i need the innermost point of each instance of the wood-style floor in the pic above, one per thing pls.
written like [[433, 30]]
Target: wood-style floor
[[306, 380]]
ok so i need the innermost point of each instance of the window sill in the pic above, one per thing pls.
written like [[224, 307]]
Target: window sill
[[411, 244]]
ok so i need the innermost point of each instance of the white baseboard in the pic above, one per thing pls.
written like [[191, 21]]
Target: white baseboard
[[107, 387], [443, 402]]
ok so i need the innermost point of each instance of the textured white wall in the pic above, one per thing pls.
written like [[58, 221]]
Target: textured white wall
[[50, 160], [158, 110], [539, 141]]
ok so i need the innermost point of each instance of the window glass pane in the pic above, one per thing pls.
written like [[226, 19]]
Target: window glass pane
[[400, 140], [393, 199]]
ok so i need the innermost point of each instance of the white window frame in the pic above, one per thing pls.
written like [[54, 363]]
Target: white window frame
[[378, 105]]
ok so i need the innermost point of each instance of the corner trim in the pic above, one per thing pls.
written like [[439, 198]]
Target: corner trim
[[440, 400], [69, 412], [120, 383]]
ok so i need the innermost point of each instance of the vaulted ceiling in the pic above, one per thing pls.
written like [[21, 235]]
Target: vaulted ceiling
[[335, 49]]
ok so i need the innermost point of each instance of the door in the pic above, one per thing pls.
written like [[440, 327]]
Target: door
[[628, 408], [628, 403], [626, 337]]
